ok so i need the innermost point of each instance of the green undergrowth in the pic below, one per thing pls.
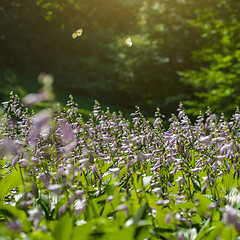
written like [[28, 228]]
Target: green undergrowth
[[111, 178]]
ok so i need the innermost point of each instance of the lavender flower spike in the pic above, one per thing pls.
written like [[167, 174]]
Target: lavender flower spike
[[231, 217]]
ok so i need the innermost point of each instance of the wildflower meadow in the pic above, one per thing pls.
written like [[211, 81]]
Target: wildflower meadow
[[107, 177]]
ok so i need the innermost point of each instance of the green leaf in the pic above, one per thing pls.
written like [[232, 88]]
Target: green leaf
[[39, 235], [233, 196], [210, 232], [203, 203], [196, 185], [63, 228], [84, 231], [49, 203], [229, 233], [122, 172], [10, 212], [125, 233], [11, 181], [137, 181], [228, 181], [141, 213]]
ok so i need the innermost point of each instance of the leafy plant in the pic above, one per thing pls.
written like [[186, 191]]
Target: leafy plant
[[109, 177]]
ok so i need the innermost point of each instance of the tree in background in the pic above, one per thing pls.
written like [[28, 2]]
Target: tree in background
[[162, 44], [168, 38], [216, 80], [38, 37]]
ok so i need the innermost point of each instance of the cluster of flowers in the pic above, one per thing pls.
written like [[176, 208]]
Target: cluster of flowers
[[60, 155]]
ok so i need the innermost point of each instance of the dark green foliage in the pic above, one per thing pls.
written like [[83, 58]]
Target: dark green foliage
[[37, 37], [216, 80], [196, 41]]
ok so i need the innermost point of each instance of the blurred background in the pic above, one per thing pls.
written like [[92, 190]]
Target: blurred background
[[182, 51]]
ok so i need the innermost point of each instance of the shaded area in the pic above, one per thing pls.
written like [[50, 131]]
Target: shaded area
[[169, 38]]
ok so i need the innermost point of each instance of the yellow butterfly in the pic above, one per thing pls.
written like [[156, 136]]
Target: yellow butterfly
[[128, 42], [77, 33]]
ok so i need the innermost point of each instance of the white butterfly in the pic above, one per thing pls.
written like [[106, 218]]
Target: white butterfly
[[77, 33], [128, 42]]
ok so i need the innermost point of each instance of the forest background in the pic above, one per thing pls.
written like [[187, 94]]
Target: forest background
[[182, 51]]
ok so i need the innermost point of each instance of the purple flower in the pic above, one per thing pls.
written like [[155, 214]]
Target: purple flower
[[23, 162], [109, 198], [230, 216], [162, 202], [180, 180], [115, 172], [79, 207], [158, 191], [168, 218], [35, 215], [181, 236], [33, 98], [62, 210], [15, 225], [123, 207], [206, 140], [56, 188], [178, 217], [142, 157]]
